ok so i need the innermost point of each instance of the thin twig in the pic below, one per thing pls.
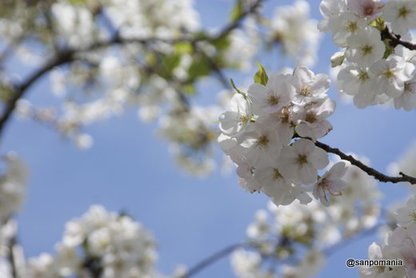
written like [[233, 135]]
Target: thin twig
[[215, 67], [344, 243], [212, 259], [236, 23], [229, 249], [11, 256], [21, 89], [370, 171]]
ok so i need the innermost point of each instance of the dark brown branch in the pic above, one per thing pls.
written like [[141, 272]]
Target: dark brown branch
[[395, 40], [60, 59], [370, 171], [21, 89]]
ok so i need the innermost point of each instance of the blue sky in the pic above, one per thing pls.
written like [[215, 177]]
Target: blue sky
[[129, 168]]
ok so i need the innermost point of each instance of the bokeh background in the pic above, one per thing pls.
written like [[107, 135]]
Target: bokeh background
[[130, 169]]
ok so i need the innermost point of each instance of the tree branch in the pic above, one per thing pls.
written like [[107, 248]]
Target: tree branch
[[216, 68], [69, 55], [212, 259], [344, 243], [20, 90], [231, 248], [370, 171], [11, 256], [236, 23], [395, 40]]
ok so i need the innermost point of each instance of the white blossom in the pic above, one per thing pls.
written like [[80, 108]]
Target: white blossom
[[359, 82], [330, 183], [344, 26], [292, 27], [406, 215], [300, 162], [246, 264], [406, 162], [377, 252], [391, 75], [258, 134], [12, 186], [312, 121], [365, 8], [238, 117], [365, 47], [401, 14], [309, 87], [271, 98], [119, 246]]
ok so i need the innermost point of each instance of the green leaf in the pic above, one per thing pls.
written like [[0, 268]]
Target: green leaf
[[237, 10], [389, 50], [378, 23], [172, 61], [221, 43], [189, 89], [151, 59], [200, 35], [261, 75], [337, 59], [199, 67], [5, 93], [235, 88], [77, 2], [183, 48]]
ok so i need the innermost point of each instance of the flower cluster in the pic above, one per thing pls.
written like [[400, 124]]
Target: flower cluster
[[292, 27], [373, 69], [399, 244], [12, 193], [269, 133], [191, 135], [99, 244], [276, 237], [159, 55], [12, 186], [295, 239], [150, 54]]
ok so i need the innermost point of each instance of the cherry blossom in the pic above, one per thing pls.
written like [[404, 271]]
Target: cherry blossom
[[330, 183], [274, 160], [401, 14]]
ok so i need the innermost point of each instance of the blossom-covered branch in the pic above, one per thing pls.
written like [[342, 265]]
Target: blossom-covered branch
[[71, 54], [374, 66], [371, 171], [20, 90], [297, 227], [275, 239]]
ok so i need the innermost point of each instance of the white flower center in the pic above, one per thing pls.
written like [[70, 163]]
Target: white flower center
[[263, 141], [302, 159], [403, 12], [366, 50], [273, 100]]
